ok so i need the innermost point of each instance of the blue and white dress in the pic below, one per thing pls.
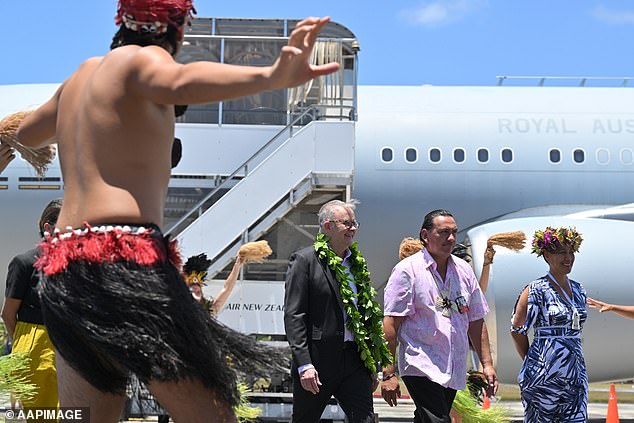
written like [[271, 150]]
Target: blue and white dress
[[553, 378]]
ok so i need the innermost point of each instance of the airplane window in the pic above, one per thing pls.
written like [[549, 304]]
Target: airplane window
[[387, 155], [458, 155], [435, 155], [603, 156], [579, 156], [507, 155], [411, 155], [554, 155], [483, 155], [627, 157], [38, 179]]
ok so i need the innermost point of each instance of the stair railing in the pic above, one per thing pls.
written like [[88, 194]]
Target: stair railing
[[243, 170]]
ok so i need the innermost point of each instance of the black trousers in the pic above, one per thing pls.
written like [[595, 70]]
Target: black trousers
[[352, 387], [433, 401]]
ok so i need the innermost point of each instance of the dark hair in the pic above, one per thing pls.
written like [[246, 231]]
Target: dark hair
[[177, 152], [50, 214], [168, 40], [180, 109], [461, 251], [428, 221]]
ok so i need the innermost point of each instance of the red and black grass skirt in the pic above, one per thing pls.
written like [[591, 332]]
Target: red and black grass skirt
[[115, 303]]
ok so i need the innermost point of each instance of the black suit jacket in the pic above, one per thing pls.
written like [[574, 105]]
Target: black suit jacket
[[313, 314]]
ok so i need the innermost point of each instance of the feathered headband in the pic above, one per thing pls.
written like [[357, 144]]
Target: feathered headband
[[551, 240], [195, 269], [154, 16]]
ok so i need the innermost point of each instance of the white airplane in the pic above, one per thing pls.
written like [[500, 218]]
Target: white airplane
[[501, 158]]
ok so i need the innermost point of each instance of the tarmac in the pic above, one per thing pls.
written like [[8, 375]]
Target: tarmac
[[404, 411]]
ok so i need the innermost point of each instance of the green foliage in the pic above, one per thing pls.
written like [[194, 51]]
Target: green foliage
[[365, 320], [472, 412], [244, 411], [14, 369]]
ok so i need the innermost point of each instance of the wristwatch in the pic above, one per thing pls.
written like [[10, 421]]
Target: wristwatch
[[388, 377]]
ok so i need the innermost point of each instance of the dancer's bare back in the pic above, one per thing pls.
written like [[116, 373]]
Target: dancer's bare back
[[114, 145]]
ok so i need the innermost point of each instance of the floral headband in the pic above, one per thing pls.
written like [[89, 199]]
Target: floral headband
[[551, 240]]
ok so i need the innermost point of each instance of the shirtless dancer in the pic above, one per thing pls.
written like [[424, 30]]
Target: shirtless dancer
[[111, 294]]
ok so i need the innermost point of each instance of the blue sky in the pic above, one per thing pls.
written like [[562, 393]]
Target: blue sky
[[403, 42]]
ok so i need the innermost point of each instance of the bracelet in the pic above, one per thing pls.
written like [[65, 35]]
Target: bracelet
[[388, 377]]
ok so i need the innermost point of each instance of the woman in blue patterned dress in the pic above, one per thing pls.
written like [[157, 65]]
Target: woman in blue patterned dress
[[553, 378]]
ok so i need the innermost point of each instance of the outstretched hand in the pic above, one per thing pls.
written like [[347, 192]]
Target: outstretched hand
[[599, 305], [292, 67]]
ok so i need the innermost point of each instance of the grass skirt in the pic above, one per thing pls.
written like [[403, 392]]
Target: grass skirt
[[115, 303]]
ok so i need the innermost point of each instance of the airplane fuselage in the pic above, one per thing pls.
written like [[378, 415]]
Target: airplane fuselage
[[487, 154]]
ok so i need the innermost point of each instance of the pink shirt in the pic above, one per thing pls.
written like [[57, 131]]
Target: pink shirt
[[430, 344]]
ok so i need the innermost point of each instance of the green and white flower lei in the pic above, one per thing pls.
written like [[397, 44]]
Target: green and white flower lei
[[365, 320]]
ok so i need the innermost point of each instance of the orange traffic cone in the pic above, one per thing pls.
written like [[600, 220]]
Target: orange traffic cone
[[613, 408], [486, 402]]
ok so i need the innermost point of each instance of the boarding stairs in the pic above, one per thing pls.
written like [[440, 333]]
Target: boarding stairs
[[299, 161]]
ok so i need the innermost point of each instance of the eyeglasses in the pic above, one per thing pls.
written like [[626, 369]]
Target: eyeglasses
[[348, 224]]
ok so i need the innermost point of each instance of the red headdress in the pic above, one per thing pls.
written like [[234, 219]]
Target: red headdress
[[154, 15]]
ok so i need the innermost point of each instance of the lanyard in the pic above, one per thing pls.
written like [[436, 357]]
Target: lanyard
[[569, 299]]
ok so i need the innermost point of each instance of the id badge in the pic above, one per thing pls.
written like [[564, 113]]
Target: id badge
[[461, 303], [576, 321]]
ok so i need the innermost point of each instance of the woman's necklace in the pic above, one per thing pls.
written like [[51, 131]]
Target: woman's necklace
[[576, 321]]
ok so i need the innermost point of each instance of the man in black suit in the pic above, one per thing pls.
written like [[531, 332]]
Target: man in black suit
[[326, 361]]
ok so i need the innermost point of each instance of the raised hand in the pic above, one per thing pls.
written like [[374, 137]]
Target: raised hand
[[489, 253], [292, 67]]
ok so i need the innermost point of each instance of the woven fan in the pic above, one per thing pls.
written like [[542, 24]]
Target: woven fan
[[255, 251], [39, 158]]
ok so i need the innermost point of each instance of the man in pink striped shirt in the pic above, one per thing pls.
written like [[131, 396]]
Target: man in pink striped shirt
[[433, 306]]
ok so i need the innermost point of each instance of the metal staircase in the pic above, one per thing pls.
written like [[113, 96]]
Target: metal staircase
[[298, 162], [275, 194]]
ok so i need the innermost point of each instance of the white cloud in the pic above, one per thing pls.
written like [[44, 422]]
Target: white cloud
[[435, 13], [613, 17]]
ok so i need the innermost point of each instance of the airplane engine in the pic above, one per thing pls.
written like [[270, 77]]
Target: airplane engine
[[604, 266]]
